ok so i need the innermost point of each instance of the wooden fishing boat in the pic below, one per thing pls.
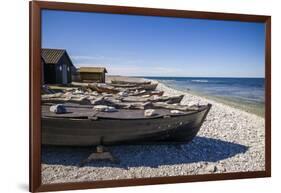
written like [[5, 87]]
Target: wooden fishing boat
[[147, 87], [167, 99], [123, 85], [133, 87], [82, 126], [115, 101], [147, 93], [99, 87], [130, 82]]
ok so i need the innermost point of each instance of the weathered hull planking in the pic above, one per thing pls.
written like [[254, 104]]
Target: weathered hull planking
[[87, 131]]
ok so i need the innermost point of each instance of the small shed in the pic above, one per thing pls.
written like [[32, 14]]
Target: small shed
[[58, 67], [92, 74]]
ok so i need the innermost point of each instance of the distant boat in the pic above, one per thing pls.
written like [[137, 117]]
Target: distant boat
[[130, 82], [82, 126], [135, 86], [109, 88], [147, 87], [167, 99]]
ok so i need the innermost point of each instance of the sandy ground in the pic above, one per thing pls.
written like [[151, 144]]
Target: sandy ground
[[230, 140]]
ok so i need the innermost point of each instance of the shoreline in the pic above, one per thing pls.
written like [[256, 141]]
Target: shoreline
[[212, 99], [252, 109], [230, 140]]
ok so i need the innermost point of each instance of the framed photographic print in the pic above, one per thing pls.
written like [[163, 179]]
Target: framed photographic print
[[123, 96]]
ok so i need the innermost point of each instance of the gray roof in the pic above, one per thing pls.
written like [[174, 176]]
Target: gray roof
[[52, 56], [92, 69]]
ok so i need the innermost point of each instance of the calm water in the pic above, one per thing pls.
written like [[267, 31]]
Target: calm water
[[245, 93]]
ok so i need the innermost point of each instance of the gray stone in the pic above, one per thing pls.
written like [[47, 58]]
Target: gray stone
[[58, 109], [220, 168], [211, 168], [149, 112]]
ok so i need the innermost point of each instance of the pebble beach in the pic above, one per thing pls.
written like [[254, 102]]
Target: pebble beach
[[230, 140]]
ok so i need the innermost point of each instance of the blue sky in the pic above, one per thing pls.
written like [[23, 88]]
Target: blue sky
[[157, 46]]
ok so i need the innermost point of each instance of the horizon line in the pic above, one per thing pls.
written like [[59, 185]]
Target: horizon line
[[189, 76]]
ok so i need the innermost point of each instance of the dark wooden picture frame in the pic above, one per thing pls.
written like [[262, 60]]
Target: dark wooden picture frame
[[35, 95]]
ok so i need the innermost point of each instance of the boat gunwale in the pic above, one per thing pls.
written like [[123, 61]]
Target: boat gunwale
[[95, 118]]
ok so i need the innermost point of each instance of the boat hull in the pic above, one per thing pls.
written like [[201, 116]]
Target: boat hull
[[90, 132]]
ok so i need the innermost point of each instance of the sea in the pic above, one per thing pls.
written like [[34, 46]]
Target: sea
[[247, 94]]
